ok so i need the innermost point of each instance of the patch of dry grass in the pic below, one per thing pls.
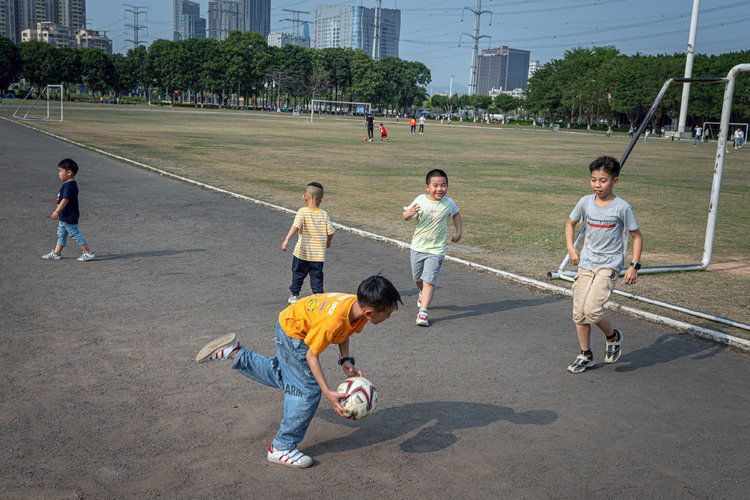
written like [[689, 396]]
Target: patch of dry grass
[[515, 188]]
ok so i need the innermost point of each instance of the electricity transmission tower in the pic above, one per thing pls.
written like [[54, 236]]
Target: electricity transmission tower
[[475, 42], [296, 22], [136, 26]]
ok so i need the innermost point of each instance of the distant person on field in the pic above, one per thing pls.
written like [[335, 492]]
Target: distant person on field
[[370, 121], [645, 137], [421, 125], [413, 125], [67, 213], [698, 141], [303, 331], [383, 134], [630, 132], [608, 220], [315, 235], [737, 139], [431, 211]]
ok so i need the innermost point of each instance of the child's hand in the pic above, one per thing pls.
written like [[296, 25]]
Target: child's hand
[[456, 237], [335, 399], [631, 276], [411, 211], [351, 370], [54, 214], [573, 256], [283, 245]]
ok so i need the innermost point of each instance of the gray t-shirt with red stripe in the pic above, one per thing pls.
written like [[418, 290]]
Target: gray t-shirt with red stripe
[[607, 228]]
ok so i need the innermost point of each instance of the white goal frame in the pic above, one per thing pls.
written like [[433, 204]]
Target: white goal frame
[[731, 128], [35, 105], [367, 105]]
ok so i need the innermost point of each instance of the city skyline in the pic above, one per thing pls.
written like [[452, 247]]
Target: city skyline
[[431, 30]]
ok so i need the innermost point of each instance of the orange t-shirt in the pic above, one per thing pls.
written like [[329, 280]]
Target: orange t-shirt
[[413, 122], [321, 320]]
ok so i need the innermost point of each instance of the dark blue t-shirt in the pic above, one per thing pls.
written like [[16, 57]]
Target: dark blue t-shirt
[[70, 213]]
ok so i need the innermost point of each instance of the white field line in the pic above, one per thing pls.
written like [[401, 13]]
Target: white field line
[[688, 328]]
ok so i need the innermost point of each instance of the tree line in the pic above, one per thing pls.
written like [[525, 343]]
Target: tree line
[[242, 65], [600, 85]]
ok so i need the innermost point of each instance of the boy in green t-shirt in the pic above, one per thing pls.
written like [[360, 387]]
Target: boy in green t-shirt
[[428, 243]]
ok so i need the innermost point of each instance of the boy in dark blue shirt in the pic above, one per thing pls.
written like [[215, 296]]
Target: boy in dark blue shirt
[[67, 212]]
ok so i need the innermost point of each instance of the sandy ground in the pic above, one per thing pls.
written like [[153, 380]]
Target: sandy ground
[[101, 397]]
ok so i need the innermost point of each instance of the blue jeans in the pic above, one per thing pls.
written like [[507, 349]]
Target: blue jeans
[[65, 229], [300, 269], [289, 371]]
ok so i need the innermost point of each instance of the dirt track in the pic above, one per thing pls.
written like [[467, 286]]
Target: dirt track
[[101, 397]]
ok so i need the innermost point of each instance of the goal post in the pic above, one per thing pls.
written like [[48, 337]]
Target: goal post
[[350, 107], [49, 109]]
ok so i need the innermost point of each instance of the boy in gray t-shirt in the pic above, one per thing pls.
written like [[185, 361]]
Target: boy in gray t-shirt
[[608, 221]]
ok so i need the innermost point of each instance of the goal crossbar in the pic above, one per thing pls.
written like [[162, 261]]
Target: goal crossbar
[[366, 105]]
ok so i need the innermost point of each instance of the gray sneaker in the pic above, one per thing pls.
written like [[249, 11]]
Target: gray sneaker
[[581, 364], [292, 299], [52, 256], [86, 256], [614, 349]]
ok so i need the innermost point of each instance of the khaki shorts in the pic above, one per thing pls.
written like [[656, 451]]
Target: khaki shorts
[[591, 290]]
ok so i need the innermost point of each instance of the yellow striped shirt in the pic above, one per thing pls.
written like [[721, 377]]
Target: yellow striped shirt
[[314, 228]]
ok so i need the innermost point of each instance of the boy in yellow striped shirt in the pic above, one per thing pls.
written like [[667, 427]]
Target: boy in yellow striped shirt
[[315, 235]]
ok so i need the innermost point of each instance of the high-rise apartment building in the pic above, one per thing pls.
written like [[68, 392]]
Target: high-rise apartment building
[[19, 15], [276, 39], [352, 26], [223, 18], [502, 68], [255, 16], [8, 24], [187, 21]]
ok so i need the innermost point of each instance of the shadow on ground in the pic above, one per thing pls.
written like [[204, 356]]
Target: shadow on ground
[[443, 417]]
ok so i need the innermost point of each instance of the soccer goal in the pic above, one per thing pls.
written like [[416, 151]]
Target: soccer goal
[[713, 129], [338, 107], [48, 105]]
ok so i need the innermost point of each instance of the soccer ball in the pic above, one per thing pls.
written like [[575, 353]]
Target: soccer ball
[[362, 398], [364, 138]]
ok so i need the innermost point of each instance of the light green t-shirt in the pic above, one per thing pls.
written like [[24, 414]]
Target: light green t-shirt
[[432, 224]]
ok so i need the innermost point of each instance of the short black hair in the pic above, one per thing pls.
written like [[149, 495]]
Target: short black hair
[[68, 164], [379, 293], [435, 173], [606, 163]]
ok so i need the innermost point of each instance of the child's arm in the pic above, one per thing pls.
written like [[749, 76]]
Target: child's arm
[[328, 241], [314, 362], [631, 275], [570, 228], [289, 235], [457, 223], [59, 208]]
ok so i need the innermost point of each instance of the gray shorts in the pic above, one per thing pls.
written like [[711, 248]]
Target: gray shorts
[[425, 266]]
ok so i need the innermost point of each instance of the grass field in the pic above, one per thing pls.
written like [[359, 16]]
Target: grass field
[[515, 188]]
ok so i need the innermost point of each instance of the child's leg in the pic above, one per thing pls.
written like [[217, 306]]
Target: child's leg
[[316, 277], [62, 237], [301, 391], [300, 269], [584, 336], [72, 230], [427, 290]]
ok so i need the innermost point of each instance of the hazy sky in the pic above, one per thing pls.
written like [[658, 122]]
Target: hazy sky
[[431, 29]]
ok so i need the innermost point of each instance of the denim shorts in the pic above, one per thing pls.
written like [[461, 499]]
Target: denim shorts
[[425, 266], [65, 229]]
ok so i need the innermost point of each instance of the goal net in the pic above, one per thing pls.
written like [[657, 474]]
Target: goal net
[[47, 106], [350, 108], [712, 129]]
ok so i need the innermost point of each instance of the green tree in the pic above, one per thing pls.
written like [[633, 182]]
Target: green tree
[[38, 63], [505, 103], [10, 63], [97, 70]]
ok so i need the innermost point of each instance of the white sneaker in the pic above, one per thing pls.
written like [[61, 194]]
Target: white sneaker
[[290, 458], [422, 319], [419, 301], [219, 349], [86, 256], [292, 299], [581, 364], [52, 256]]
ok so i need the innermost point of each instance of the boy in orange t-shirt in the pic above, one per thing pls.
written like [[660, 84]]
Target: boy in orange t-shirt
[[304, 330]]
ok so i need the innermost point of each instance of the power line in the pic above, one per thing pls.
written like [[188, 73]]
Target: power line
[[136, 26]]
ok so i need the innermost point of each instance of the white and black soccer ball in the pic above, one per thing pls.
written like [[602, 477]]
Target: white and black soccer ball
[[362, 398]]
